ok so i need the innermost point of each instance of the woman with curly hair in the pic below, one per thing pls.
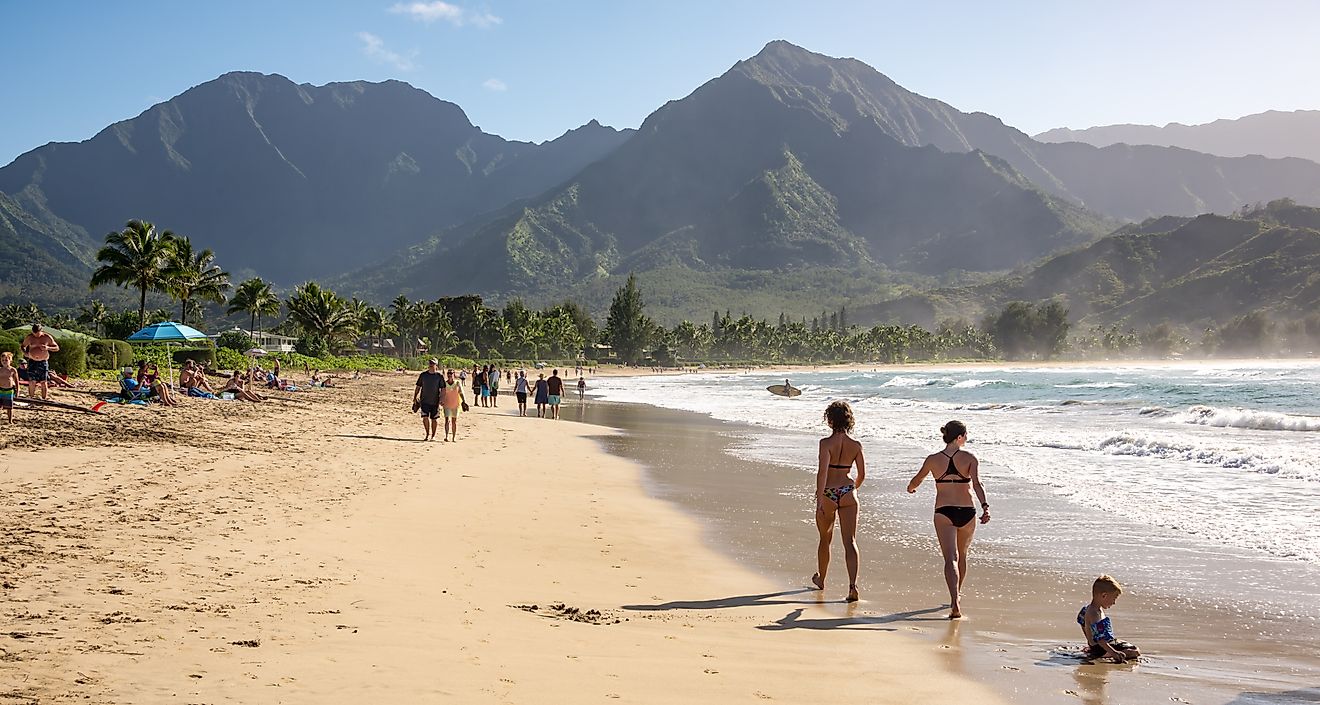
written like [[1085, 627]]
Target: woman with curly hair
[[836, 494]]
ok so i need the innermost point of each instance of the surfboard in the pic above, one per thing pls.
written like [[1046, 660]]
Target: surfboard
[[781, 390]]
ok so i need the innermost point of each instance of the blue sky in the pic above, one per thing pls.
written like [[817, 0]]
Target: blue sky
[[532, 69]]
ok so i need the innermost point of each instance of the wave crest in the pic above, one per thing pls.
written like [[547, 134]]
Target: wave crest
[[1252, 419]]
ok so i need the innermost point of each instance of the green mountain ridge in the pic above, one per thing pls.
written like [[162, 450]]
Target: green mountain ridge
[[1200, 270], [743, 175], [292, 180]]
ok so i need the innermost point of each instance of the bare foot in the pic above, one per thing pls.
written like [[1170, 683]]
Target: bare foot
[[818, 581], [852, 593], [955, 614]]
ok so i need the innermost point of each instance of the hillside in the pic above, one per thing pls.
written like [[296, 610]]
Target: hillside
[[796, 160], [1272, 134], [35, 264], [745, 175], [292, 181], [1202, 270]]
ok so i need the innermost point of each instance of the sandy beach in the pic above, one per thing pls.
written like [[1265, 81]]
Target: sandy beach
[[311, 549]]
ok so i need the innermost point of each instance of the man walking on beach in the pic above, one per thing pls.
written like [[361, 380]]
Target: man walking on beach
[[37, 347], [426, 397], [451, 398], [554, 387]]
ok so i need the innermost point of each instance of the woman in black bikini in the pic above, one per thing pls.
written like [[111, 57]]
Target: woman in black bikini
[[956, 476], [836, 494]]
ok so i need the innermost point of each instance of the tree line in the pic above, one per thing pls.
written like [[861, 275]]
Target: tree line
[[148, 260]]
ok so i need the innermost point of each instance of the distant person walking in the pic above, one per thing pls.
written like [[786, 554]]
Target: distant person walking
[[555, 391], [542, 395], [451, 398], [836, 494], [426, 397], [493, 379], [582, 388], [957, 475], [37, 347], [520, 390]]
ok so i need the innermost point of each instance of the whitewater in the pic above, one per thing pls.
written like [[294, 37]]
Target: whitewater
[[1209, 459]]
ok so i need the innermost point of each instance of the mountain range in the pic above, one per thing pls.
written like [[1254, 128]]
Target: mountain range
[[292, 181], [1272, 133], [790, 181]]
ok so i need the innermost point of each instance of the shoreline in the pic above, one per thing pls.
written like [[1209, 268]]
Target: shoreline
[[1136, 363], [312, 550], [1021, 632]]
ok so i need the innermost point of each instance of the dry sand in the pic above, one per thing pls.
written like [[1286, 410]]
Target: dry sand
[[310, 549]]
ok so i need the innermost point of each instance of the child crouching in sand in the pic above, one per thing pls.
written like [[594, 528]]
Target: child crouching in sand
[[1100, 641]]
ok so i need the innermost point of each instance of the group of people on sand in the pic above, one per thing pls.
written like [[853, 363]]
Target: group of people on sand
[[957, 477], [435, 393]]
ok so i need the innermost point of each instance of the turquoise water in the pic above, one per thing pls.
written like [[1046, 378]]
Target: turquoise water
[[1196, 474]]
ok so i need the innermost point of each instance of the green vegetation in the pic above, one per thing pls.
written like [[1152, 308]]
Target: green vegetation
[[137, 257], [194, 277]]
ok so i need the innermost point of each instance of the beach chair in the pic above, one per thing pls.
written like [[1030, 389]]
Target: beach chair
[[134, 394]]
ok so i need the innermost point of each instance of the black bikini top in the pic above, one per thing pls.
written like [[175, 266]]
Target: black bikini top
[[952, 470], [841, 467]]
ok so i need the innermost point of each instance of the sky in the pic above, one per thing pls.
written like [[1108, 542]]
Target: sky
[[532, 69]]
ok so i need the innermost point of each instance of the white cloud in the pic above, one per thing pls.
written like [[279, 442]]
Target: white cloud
[[495, 84], [456, 15], [375, 49]]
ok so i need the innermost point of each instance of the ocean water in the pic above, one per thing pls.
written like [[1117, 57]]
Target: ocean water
[[1195, 477]]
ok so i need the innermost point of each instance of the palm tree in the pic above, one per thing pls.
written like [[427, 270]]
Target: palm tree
[[137, 256], [377, 323], [93, 314], [195, 276], [401, 314], [322, 313], [255, 297]]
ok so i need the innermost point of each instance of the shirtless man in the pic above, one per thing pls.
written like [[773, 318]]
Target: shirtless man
[[37, 347]]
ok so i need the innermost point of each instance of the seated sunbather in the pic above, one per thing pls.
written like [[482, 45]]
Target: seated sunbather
[[192, 380], [149, 378], [235, 384]]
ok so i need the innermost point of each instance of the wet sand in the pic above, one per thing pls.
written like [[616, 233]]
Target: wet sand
[[1019, 637], [312, 550]]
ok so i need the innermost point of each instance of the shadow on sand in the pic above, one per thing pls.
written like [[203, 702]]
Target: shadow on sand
[[793, 620], [378, 438], [720, 603]]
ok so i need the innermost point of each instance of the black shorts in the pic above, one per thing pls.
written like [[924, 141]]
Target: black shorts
[[522, 397], [38, 371], [1097, 651], [430, 411]]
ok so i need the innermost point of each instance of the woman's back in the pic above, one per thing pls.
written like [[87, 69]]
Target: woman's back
[[952, 473], [843, 451]]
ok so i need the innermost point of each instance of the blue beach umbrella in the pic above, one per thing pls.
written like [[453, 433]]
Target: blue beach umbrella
[[167, 332]]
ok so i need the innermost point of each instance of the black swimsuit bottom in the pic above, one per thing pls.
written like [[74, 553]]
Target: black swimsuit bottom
[[960, 516]]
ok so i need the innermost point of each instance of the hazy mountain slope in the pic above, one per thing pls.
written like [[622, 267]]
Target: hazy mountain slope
[[1273, 133], [295, 180], [744, 174], [1124, 182], [1207, 269], [35, 264]]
